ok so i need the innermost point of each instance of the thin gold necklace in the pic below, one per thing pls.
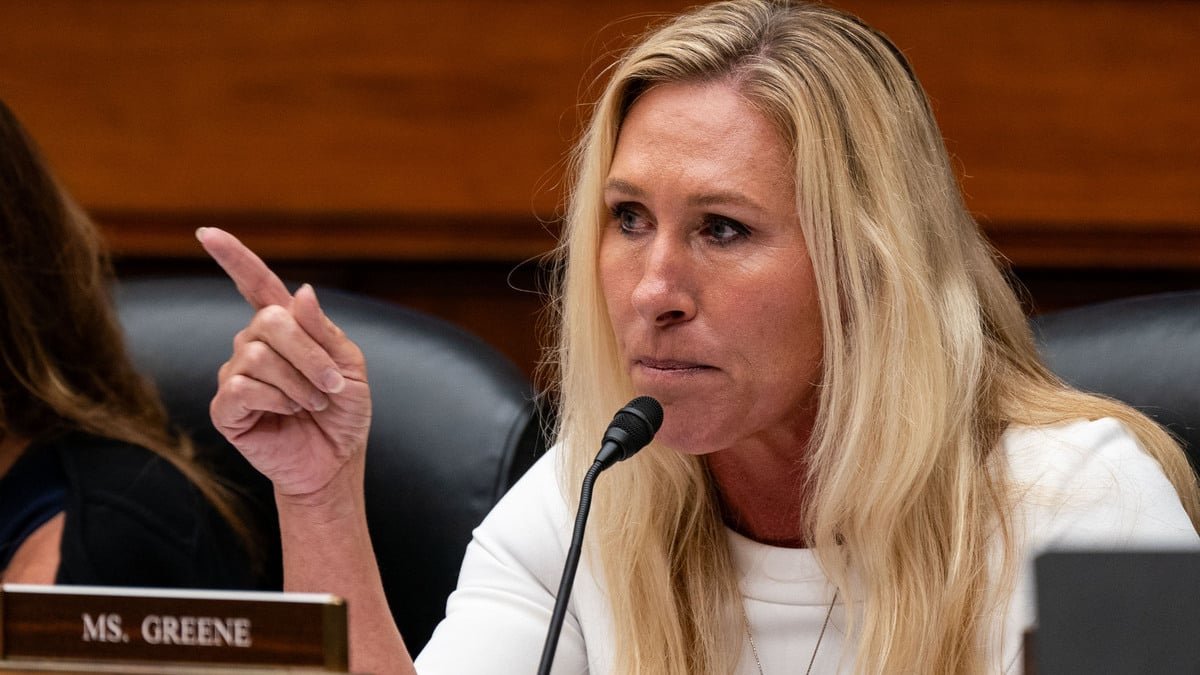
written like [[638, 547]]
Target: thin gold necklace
[[820, 636]]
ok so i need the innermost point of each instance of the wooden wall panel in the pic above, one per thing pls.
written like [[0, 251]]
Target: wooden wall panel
[[429, 135], [1069, 118], [427, 107], [1063, 112]]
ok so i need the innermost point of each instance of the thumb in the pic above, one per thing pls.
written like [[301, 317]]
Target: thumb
[[308, 313]]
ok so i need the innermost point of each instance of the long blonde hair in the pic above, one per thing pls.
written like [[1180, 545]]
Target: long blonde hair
[[918, 322]]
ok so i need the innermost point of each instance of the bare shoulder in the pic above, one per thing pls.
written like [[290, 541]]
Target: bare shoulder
[[36, 560]]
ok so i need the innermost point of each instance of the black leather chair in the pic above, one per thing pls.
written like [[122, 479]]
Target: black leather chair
[[455, 424], [1142, 350]]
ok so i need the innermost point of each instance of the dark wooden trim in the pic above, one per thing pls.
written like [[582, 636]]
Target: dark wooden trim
[[332, 236], [375, 236], [1098, 245]]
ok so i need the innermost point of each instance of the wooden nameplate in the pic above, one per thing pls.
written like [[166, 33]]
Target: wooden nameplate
[[185, 629]]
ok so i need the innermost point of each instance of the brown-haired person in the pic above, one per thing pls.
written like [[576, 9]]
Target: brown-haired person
[[94, 486], [861, 450]]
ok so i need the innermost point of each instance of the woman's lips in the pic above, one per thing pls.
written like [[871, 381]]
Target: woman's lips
[[669, 366], [665, 364]]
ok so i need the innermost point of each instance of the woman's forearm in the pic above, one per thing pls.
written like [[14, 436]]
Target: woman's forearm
[[327, 549]]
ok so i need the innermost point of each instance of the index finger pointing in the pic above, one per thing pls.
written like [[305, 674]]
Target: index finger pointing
[[255, 281]]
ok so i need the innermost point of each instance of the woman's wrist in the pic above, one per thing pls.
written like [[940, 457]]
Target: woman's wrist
[[337, 503]]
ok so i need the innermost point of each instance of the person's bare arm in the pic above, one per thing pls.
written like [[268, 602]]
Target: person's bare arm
[[293, 398], [36, 559]]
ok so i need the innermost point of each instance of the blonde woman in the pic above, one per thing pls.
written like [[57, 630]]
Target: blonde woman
[[861, 450]]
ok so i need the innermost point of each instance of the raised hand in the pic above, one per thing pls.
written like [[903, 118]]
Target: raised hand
[[293, 397]]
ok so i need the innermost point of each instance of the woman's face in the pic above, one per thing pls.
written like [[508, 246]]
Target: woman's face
[[706, 274]]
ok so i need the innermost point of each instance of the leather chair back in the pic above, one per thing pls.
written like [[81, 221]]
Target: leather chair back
[[1142, 350], [455, 424]]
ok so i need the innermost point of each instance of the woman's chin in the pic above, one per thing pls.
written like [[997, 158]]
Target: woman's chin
[[686, 441]]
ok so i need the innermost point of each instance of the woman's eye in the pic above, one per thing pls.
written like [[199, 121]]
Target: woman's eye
[[725, 230], [627, 218]]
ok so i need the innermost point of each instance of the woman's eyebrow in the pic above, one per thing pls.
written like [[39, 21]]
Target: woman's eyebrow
[[723, 197], [624, 187], [627, 188]]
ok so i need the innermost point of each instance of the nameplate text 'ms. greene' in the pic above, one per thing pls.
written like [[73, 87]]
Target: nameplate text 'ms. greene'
[[115, 625]]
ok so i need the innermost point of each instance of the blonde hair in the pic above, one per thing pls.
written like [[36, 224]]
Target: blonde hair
[[903, 509]]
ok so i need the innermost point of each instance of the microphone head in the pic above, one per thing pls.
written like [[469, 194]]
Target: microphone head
[[647, 410], [634, 425]]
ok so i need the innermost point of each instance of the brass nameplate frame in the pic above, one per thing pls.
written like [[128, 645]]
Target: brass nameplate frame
[[142, 625]]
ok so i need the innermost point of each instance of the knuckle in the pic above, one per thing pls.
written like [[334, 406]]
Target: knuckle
[[238, 385], [242, 337], [219, 410], [256, 354], [273, 317]]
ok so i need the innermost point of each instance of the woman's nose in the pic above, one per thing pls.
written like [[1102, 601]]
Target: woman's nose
[[665, 294]]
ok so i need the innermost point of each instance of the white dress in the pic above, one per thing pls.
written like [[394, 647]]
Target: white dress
[[1084, 484]]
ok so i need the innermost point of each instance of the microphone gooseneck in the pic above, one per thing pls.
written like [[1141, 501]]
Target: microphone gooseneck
[[631, 429]]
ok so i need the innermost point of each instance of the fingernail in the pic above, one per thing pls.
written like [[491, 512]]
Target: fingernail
[[307, 288], [200, 232], [332, 381], [319, 402], [296, 407]]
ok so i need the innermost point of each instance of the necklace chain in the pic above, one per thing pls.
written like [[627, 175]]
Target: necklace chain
[[820, 636]]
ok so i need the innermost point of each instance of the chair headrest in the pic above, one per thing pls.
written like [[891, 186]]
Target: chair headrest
[[1143, 350]]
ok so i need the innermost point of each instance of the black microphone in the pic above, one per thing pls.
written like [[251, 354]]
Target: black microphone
[[631, 430]]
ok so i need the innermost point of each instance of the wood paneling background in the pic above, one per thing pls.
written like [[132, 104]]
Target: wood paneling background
[[413, 149]]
